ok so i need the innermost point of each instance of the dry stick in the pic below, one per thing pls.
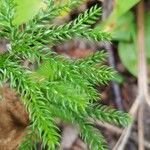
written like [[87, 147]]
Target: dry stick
[[143, 73], [142, 84], [115, 86], [140, 128], [127, 131], [107, 8], [108, 126], [118, 131], [142, 66]]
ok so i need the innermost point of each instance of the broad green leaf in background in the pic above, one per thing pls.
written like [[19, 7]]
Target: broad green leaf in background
[[121, 23], [124, 28], [147, 35], [128, 50], [27, 9], [128, 55], [120, 7]]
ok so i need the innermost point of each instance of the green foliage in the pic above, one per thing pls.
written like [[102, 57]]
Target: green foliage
[[121, 23], [128, 46], [29, 141], [61, 7], [108, 114], [27, 9], [93, 137], [119, 32], [55, 87], [121, 7]]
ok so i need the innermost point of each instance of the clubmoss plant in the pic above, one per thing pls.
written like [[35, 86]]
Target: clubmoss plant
[[56, 87]]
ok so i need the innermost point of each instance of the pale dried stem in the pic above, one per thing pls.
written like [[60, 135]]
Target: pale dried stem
[[142, 75], [140, 128], [118, 131], [109, 127], [127, 131]]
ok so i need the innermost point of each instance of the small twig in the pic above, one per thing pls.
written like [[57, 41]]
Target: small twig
[[118, 131], [127, 131], [142, 66], [107, 7], [115, 86], [140, 128], [109, 127]]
